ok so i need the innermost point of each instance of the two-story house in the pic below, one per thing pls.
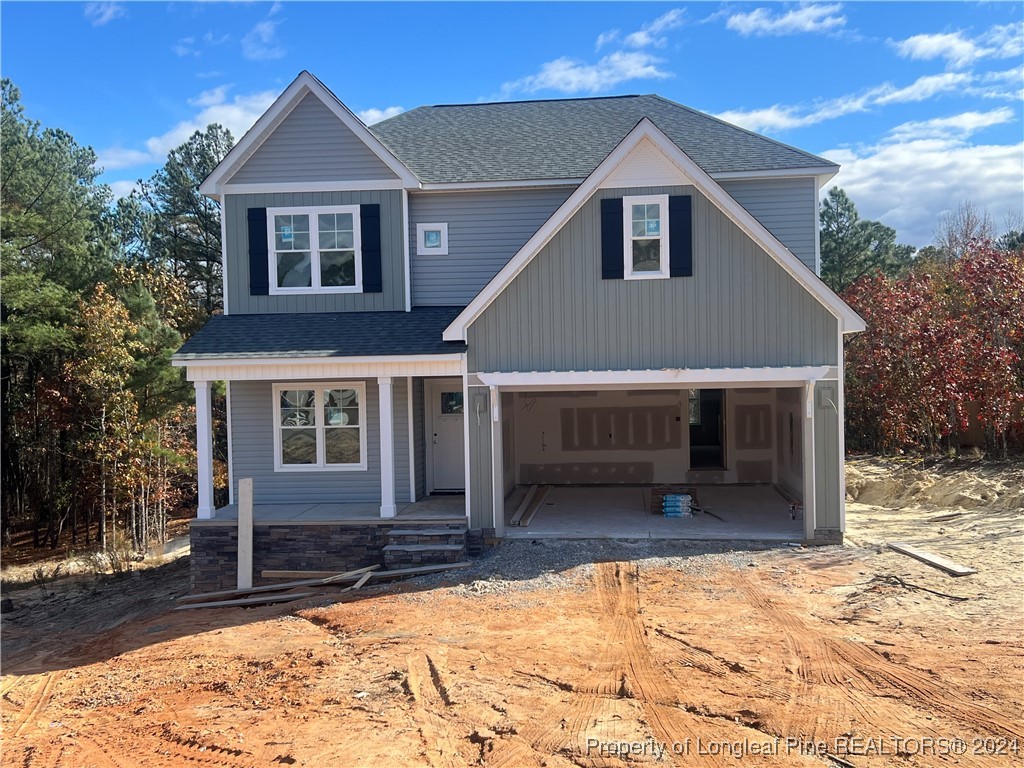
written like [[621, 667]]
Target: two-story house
[[425, 317]]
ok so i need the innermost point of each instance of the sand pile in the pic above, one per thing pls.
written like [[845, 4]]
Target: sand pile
[[897, 484]]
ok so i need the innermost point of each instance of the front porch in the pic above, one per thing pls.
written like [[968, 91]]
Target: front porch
[[431, 509]]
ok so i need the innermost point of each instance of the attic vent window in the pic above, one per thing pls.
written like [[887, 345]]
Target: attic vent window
[[432, 239], [645, 230]]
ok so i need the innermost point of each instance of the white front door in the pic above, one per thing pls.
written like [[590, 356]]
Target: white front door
[[445, 435]]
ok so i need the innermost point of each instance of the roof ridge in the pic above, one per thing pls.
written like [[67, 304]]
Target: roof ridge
[[533, 101]]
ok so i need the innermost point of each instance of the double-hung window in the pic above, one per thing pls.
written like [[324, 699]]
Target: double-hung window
[[645, 230], [320, 426], [315, 249]]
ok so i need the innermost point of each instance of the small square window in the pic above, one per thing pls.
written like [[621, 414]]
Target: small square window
[[432, 239]]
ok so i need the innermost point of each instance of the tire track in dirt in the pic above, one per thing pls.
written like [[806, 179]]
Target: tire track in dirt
[[851, 681], [624, 668], [36, 702], [430, 696]]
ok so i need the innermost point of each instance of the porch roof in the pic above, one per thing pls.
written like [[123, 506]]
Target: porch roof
[[323, 335]]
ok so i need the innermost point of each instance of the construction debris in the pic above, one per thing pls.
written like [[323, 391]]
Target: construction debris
[[936, 561], [283, 597]]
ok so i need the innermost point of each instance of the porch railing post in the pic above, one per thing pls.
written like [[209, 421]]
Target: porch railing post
[[387, 447], [204, 449]]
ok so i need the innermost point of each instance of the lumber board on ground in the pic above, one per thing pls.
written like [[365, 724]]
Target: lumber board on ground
[[329, 578], [362, 580], [517, 516], [537, 501], [261, 600], [936, 561], [377, 575]]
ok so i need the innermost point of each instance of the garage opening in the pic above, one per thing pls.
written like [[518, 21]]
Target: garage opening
[[600, 463]]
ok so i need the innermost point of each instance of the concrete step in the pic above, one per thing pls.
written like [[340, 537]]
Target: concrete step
[[425, 531], [399, 555], [432, 536]]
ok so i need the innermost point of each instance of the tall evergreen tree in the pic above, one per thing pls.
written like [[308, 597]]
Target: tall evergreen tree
[[852, 247]]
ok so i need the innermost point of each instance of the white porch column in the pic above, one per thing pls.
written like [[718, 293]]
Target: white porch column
[[204, 449], [387, 447], [808, 469], [497, 463]]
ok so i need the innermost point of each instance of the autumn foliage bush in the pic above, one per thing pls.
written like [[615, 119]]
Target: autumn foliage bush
[[941, 341]]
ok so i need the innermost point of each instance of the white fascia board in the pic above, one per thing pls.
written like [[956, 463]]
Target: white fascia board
[[780, 173], [678, 377], [303, 84], [461, 186], [310, 186], [226, 360], [849, 321]]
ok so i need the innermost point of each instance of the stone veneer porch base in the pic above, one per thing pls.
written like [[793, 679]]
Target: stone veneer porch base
[[296, 547]]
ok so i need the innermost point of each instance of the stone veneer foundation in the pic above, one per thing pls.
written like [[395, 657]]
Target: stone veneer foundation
[[282, 546]]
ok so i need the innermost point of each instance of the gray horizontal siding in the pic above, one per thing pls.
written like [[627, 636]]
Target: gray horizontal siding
[[419, 437], [252, 422], [392, 256], [740, 308], [485, 230], [312, 144], [788, 209], [400, 411], [828, 448]]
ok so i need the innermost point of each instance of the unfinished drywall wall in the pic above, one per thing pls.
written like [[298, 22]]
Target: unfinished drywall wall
[[750, 435], [600, 437], [789, 445]]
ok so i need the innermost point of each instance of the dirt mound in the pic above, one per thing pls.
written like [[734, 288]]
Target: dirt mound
[[893, 484]]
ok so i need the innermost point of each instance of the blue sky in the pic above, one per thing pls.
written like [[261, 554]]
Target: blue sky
[[920, 102]]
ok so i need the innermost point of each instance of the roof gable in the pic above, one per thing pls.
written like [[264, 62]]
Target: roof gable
[[340, 148], [634, 150]]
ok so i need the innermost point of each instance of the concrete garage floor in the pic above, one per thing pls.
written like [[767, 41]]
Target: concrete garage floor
[[756, 512]]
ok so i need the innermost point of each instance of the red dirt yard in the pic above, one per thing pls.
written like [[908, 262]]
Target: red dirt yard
[[660, 653]]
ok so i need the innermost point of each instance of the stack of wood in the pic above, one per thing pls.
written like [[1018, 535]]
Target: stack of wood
[[316, 583]]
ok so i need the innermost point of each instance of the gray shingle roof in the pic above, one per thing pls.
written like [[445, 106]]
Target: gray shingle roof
[[324, 334], [567, 139]]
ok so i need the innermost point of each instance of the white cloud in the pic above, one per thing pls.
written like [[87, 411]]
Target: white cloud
[[964, 125], [605, 38], [781, 117], [925, 88], [190, 46], [260, 43], [104, 13], [923, 169], [237, 115], [1004, 41], [651, 34], [122, 188], [807, 18], [374, 115], [567, 75]]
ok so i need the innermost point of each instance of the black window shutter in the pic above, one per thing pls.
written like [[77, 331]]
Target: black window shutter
[[680, 236], [259, 269], [612, 264], [369, 224]]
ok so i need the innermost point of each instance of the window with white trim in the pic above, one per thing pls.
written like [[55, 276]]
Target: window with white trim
[[315, 249], [432, 239], [645, 228], [320, 426]]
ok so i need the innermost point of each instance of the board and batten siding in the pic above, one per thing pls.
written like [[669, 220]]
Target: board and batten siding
[[827, 488], [312, 144], [739, 309], [239, 300], [478, 453], [788, 208], [485, 230], [252, 424]]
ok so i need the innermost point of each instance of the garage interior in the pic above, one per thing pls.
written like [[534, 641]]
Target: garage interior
[[594, 464]]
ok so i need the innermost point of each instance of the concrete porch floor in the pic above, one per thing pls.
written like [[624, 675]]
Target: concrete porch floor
[[429, 508], [756, 513]]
